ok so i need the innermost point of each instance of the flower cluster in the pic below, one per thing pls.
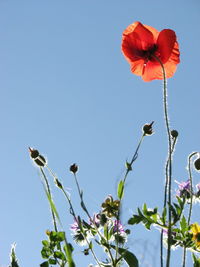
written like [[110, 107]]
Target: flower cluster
[[105, 226]]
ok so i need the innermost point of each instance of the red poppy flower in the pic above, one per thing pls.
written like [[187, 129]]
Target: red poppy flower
[[142, 44]]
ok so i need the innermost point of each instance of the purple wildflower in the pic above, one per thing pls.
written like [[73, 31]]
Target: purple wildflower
[[74, 227], [95, 220], [198, 186], [118, 228], [184, 189]]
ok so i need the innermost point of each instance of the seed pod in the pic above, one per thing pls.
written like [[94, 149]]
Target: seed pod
[[197, 164], [147, 129], [174, 133], [73, 168], [37, 158]]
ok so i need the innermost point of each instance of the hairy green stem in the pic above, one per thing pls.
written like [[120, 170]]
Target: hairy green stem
[[168, 168]]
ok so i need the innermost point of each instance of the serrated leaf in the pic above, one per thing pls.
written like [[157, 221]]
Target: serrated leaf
[[183, 224], [120, 190]]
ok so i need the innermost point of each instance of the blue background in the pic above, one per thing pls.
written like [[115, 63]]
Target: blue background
[[67, 91]]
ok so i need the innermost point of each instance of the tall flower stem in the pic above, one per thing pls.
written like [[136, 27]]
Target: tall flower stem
[[191, 198], [168, 174]]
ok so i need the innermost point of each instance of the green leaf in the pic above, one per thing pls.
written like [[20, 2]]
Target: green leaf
[[196, 261], [135, 219], [44, 264], [128, 256], [183, 224], [164, 215], [148, 225], [120, 190], [52, 205]]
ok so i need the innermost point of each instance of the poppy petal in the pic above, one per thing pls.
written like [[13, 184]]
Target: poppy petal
[[137, 67], [166, 41], [145, 36], [131, 47], [152, 71]]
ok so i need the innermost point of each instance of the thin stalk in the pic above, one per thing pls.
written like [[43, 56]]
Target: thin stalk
[[191, 185], [168, 175], [191, 196], [133, 158], [88, 214], [165, 199], [129, 168], [73, 213]]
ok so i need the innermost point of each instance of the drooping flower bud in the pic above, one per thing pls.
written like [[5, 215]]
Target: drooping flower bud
[[58, 183], [197, 164], [74, 168], [147, 129], [37, 158], [174, 133]]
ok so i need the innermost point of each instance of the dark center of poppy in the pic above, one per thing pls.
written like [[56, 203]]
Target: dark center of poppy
[[147, 54], [198, 237]]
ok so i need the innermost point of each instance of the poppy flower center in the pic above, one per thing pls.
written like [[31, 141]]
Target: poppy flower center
[[147, 54]]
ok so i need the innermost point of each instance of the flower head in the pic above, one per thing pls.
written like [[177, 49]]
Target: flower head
[[79, 233], [145, 48], [184, 189], [119, 234], [118, 227], [195, 230]]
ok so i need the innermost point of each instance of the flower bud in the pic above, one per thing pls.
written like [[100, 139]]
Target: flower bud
[[37, 158], [58, 184], [73, 168], [147, 129], [197, 164], [86, 251], [174, 133]]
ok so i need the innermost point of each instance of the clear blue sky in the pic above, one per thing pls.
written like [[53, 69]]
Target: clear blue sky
[[67, 90]]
